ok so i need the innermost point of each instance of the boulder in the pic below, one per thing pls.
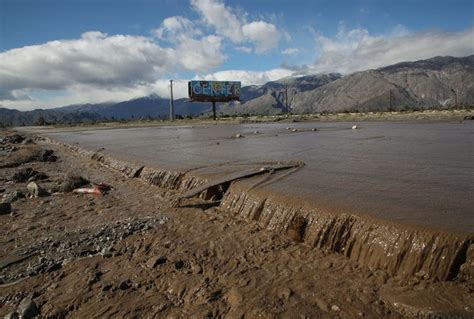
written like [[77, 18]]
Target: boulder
[[12, 196]]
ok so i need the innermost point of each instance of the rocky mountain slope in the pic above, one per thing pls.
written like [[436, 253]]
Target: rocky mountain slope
[[439, 82]]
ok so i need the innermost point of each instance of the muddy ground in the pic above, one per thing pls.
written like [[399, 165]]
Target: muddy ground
[[128, 253]]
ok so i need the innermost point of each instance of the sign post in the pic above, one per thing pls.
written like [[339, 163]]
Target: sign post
[[214, 91]]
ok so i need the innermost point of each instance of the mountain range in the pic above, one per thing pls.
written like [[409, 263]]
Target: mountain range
[[439, 82]]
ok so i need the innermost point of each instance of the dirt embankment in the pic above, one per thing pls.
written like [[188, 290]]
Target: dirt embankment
[[129, 253]]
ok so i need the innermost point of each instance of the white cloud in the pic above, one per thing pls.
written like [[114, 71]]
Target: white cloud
[[175, 28], [247, 77], [244, 49], [265, 36], [290, 51], [96, 60], [354, 50]]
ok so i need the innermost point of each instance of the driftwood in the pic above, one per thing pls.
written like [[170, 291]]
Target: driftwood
[[236, 176]]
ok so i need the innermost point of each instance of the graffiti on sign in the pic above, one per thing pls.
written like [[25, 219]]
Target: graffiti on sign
[[214, 91]]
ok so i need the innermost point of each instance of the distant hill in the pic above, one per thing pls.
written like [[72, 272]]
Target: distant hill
[[277, 96], [10, 117], [439, 82]]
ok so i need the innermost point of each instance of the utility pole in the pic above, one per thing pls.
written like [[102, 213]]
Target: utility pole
[[391, 103], [171, 101], [455, 98]]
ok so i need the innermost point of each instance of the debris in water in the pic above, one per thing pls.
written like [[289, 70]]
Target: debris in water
[[94, 189]]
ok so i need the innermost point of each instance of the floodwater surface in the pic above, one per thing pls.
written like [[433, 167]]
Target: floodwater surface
[[411, 173]]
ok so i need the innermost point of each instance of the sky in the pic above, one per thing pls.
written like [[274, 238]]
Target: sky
[[61, 52]]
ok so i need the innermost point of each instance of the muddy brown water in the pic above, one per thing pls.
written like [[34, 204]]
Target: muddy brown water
[[416, 178]]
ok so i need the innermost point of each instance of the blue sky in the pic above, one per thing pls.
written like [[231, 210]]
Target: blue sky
[[56, 52]]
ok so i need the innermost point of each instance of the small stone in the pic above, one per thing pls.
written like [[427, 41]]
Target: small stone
[[234, 297], [179, 264], [361, 314], [294, 130], [106, 287], [5, 208], [124, 285], [256, 132], [196, 268], [335, 308], [47, 156], [288, 128], [355, 127], [285, 293], [27, 309], [105, 252], [238, 135], [152, 262], [314, 129]]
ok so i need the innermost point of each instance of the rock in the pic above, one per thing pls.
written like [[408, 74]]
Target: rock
[[155, 261], [256, 132], [178, 264], [12, 196], [105, 252], [285, 293], [12, 315], [335, 308], [124, 285], [27, 309], [47, 156], [27, 174], [14, 139], [35, 190], [355, 127], [238, 135], [5, 208], [72, 182], [234, 297], [28, 141], [314, 129], [294, 130], [469, 118], [321, 304]]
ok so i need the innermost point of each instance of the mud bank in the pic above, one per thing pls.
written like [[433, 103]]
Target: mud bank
[[401, 250]]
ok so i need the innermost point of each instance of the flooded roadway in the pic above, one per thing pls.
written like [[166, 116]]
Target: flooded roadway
[[411, 173]]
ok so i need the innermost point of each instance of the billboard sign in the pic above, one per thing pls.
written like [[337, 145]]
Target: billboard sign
[[214, 91]]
